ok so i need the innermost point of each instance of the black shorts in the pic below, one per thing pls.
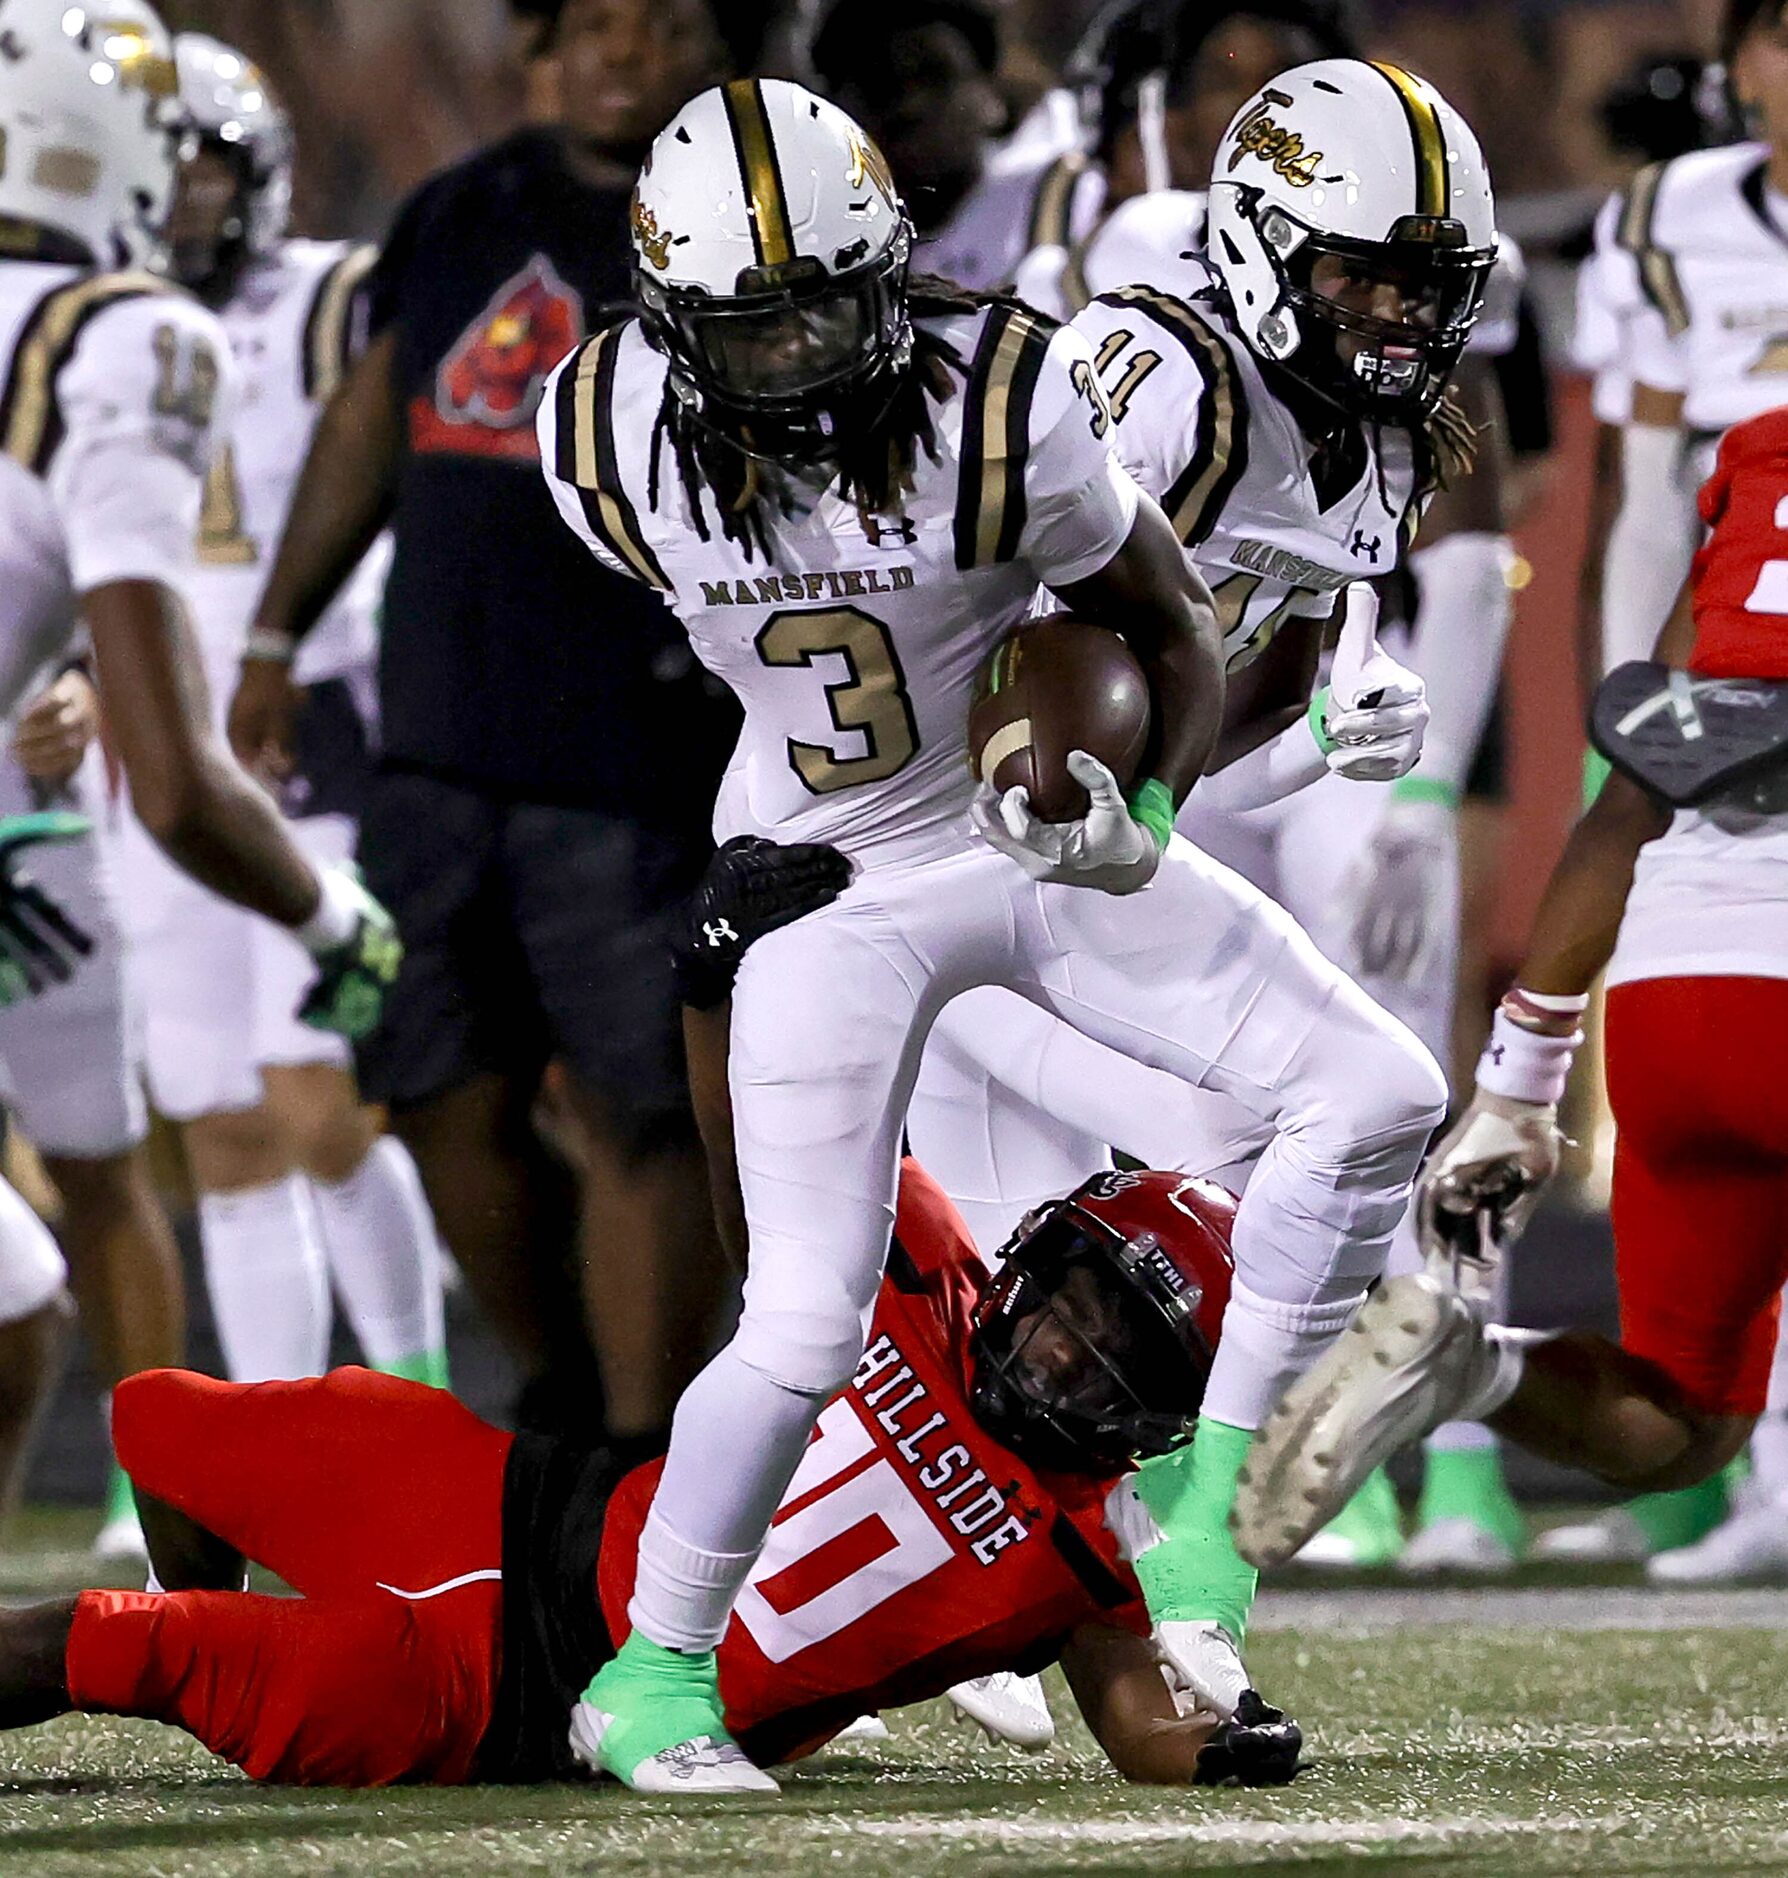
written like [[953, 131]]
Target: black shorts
[[530, 932]]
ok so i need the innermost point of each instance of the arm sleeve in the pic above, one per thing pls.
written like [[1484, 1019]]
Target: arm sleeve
[[1650, 545], [1461, 626], [1278, 768], [1079, 503], [148, 389], [553, 425], [1653, 355]]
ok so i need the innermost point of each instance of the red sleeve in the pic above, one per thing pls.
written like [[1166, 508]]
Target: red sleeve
[[929, 1228]]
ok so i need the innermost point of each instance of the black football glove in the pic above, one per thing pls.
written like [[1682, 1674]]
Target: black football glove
[[40, 945], [1259, 1748], [752, 886]]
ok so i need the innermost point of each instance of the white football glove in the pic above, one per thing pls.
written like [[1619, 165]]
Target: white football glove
[[1107, 848], [1495, 1162], [1377, 710], [1401, 890], [1203, 1668]]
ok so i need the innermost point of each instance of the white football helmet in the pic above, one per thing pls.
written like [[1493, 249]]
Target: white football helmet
[[86, 126], [226, 103], [1338, 180], [771, 254]]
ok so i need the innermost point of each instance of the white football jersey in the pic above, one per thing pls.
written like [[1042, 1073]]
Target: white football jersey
[[1158, 240], [114, 387], [855, 649], [1712, 267], [1027, 198], [1608, 297], [293, 327], [1199, 427]]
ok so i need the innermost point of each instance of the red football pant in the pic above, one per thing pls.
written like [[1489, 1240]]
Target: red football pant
[[381, 1502], [1695, 1079]]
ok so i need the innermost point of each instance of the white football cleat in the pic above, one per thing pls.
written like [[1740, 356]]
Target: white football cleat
[[701, 1766], [121, 1540], [1611, 1538], [1749, 1546], [1457, 1544], [864, 1728], [1412, 1357], [1007, 1708]]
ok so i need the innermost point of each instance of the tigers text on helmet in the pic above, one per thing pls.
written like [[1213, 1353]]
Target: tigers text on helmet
[[228, 108], [87, 121], [1353, 226], [1094, 1342], [771, 257]]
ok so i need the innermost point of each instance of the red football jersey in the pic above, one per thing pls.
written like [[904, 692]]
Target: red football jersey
[[1741, 570], [911, 1550]]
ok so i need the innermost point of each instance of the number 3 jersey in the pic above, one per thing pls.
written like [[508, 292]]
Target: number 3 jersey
[[855, 646], [113, 386], [911, 1551]]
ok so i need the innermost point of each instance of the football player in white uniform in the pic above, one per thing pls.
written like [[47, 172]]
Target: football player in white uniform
[[296, 1184], [112, 384], [850, 492], [923, 85]]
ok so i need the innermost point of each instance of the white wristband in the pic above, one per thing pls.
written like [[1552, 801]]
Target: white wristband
[[337, 915], [1525, 1065]]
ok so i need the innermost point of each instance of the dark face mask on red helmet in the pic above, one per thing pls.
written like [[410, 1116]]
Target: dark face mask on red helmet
[[1094, 1343]]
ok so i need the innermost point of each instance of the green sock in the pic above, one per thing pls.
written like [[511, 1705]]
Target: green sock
[[429, 1366], [121, 1503], [1670, 1520], [1467, 1483], [1195, 1574], [1371, 1521], [659, 1699]]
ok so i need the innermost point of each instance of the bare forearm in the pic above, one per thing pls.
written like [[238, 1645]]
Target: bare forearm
[[343, 499], [1579, 917], [228, 836]]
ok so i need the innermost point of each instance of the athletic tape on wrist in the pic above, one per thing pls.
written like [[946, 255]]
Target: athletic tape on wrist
[[1151, 805], [274, 648]]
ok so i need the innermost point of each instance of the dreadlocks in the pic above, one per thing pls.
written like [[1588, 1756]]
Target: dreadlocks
[[875, 460]]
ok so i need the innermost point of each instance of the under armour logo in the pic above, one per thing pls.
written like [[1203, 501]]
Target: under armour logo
[[719, 932], [1368, 548], [1497, 1052], [11, 48], [900, 533]]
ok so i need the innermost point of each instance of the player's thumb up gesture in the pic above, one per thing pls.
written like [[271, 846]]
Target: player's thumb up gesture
[[1376, 710]]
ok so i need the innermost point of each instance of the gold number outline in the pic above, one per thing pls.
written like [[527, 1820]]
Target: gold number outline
[[191, 400], [1232, 596], [223, 541], [871, 701]]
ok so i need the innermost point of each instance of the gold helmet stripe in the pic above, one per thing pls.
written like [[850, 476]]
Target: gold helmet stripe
[[1433, 195], [770, 231]]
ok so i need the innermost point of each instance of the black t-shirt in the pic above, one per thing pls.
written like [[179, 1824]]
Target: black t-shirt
[[511, 660]]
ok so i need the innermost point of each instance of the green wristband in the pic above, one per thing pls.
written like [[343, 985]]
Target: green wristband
[[1596, 771], [1319, 709], [1151, 804], [1425, 789]]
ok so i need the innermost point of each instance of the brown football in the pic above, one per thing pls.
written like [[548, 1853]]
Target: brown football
[[1053, 686]]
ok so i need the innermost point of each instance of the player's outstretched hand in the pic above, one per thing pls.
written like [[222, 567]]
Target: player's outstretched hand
[[1401, 890], [752, 887], [40, 945], [353, 974], [1258, 1747], [1107, 848]]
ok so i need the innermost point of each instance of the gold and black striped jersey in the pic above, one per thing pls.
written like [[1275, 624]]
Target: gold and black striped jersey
[[854, 647], [1200, 427]]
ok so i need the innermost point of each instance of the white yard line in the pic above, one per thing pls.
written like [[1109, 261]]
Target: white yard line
[[1372, 1610], [1006, 1830]]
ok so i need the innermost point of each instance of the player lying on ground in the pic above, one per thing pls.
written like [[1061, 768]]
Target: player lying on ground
[[965, 1506], [1697, 1020]]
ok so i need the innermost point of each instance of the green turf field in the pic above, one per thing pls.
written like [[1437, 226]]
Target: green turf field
[[1589, 1730]]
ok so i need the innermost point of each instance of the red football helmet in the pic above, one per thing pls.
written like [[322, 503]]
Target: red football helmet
[[1094, 1342]]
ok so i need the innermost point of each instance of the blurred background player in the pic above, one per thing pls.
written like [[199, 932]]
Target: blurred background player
[[296, 1186], [923, 80], [1680, 313], [549, 751], [113, 387]]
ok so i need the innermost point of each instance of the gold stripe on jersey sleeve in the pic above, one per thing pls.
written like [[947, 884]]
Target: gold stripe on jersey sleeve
[[996, 425], [1196, 496], [1657, 268], [1423, 115], [586, 457], [1053, 203], [29, 426], [771, 234], [328, 327]]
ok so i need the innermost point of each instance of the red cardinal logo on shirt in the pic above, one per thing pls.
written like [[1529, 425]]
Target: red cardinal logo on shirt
[[488, 386]]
